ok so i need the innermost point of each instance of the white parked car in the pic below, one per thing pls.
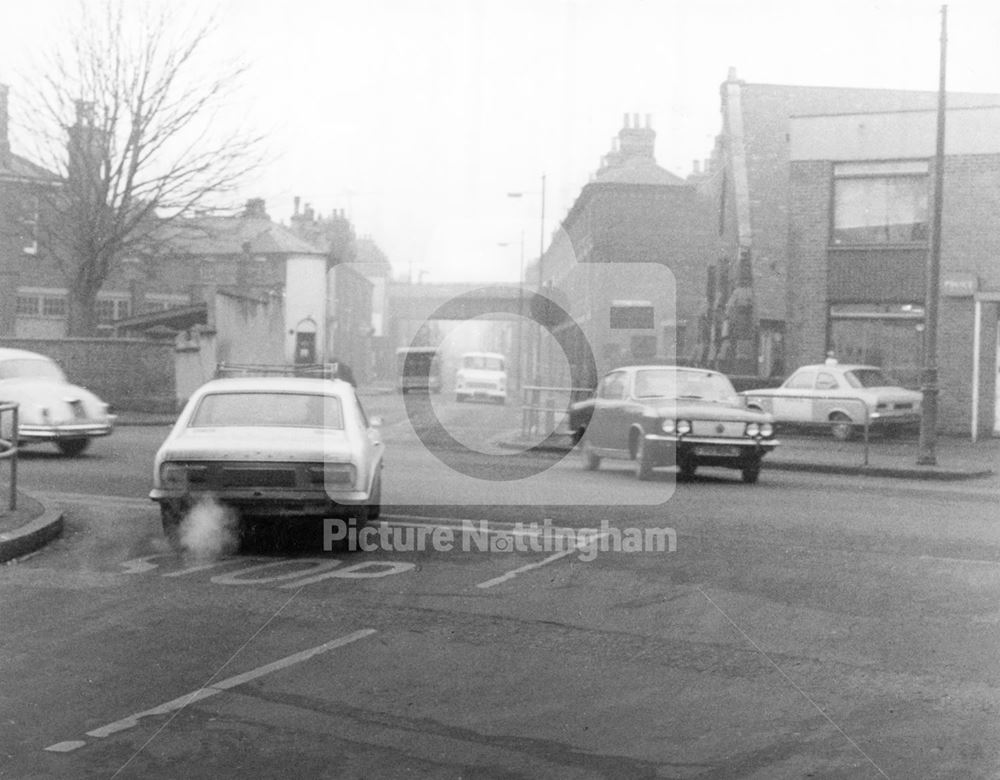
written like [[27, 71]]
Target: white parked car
[[837, 396], [481, 375], [272, 448], [50, 409]]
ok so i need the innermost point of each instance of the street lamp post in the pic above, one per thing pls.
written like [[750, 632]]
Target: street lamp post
[[519, 337]]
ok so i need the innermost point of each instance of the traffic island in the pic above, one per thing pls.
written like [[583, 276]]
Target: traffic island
[[27, 527]]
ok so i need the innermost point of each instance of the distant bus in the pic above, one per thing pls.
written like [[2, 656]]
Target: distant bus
[[418, 368]]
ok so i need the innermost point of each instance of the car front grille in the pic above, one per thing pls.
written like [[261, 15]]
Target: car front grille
[[712, 428]]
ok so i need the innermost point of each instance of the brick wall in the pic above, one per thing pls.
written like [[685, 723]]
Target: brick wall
[[808, 237], [129, 374]]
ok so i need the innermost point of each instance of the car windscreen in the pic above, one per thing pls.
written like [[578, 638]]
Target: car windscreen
[[868, 377], [482, 363], [294, 410], [31, 368], [695, 385]]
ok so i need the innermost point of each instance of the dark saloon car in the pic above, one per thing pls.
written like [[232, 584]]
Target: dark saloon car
[[670, 416]]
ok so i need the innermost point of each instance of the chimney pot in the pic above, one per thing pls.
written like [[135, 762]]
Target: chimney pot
[[297, 201], [635, 121], [625, 120]]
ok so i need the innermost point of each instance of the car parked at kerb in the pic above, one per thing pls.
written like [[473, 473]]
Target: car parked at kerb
[[274, 449], [671, 416], [838, 396], [50, 409]]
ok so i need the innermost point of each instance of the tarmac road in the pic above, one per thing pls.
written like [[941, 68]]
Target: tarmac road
[[810, 625]]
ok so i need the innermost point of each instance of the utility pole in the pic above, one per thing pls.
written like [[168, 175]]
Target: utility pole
[[929, 385]]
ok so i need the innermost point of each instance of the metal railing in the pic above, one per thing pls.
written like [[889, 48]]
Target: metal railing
[[8, 446], [546, 409], [767, 401]]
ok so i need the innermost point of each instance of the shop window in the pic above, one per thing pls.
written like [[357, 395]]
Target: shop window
[[880, 203]]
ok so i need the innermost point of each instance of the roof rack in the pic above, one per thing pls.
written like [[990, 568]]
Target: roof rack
[[315, 370]]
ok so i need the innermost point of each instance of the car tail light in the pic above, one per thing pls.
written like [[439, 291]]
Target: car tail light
[[333, 473], [177, 476]]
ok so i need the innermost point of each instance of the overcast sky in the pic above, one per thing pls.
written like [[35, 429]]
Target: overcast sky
[[418, 116]]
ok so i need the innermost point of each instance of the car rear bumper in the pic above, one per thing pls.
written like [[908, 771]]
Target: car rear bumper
[[256, 503]]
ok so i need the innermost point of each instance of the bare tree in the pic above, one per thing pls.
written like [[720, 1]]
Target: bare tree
[[128, 116]]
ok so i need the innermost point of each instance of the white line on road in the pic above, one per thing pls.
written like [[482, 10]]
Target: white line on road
[[91, 498], [537, 565], [212, 690]]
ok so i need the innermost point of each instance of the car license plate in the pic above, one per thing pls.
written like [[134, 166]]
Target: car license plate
[[717, 451]]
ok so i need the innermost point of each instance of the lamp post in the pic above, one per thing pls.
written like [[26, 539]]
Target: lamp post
[[519, 337], [541, 253]]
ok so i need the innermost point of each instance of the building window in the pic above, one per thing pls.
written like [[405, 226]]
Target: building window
[[27, 305], [53, 306], [111, 309], [880, 203], [631, 315], [890, 336]]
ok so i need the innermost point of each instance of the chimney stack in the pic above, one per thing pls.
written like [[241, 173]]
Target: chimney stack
[[296, 201]]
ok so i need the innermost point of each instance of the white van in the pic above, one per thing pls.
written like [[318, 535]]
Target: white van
[[481, 375]]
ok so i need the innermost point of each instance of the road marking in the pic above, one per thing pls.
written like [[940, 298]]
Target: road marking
[[90, 498], [211, 690], [942, 559], [313, 566], [538, 564]]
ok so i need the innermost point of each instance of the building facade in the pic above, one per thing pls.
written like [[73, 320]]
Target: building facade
[[860, 204], [748, 179], [629, 263]]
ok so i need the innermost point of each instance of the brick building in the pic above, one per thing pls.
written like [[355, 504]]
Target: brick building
[[748, 180], [859, 205], [630, 259]]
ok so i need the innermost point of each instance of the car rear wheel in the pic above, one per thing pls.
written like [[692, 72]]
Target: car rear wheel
[[375, 505], [171, 516], [72, 447], [842, 428], [591, 462]]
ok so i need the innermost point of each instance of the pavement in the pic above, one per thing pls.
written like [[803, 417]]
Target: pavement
[[956, 458]]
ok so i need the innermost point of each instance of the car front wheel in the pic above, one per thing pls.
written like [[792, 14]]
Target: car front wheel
[[751, 472], [643, 463], [72, 447]]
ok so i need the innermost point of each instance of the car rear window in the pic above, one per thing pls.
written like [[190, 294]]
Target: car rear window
[[30, 368], [868, 377], [294, 410]]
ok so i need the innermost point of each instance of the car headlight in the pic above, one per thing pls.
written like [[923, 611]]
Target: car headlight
[[753, 429], [766, 429], [683, 426], [669, 426]]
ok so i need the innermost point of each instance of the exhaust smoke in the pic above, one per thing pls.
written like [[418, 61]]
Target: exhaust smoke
[[210, 530]]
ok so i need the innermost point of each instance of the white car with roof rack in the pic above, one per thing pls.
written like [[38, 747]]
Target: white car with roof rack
[[275, 448]]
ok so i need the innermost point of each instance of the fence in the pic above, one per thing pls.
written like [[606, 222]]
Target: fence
[[819, 415], [8, 446], [546, 409]]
